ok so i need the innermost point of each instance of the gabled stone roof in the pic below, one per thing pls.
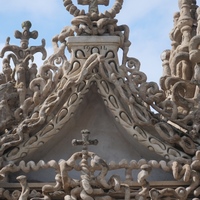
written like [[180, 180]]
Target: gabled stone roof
[[36, 105]]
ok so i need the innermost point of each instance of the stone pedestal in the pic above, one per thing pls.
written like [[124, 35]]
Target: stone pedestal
[[81, 47]]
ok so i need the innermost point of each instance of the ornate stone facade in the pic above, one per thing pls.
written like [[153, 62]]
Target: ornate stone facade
[[155, 132]]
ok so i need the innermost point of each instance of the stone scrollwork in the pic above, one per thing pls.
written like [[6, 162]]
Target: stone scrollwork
[[101, 185], [21, 75], [93, 8], [94, 59], [35, 104]]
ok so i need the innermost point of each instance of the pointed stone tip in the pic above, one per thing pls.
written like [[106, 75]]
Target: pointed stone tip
[[26, 24]]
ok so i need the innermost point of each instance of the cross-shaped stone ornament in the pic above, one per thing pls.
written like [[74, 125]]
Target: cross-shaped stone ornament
[[93, 4], [85, 140], [26, 34]]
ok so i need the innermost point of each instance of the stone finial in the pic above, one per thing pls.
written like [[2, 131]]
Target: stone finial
[[93, 4], [26, 34], [25, 188], [85, 140], [93, 13], [24, 50]]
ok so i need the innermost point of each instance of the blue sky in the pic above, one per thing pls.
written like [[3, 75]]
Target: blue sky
[[150, 22]]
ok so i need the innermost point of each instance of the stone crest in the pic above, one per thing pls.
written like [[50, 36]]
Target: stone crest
[[38, 106]]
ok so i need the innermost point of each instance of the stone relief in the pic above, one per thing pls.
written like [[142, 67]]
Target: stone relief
[[36, 102], [102, 186]]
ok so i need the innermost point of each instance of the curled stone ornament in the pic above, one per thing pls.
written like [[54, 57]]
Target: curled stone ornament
[[36, 106], [93, 8]]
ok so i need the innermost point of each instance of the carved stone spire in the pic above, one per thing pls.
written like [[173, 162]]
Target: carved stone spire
[[26, 34], [93, 4]]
